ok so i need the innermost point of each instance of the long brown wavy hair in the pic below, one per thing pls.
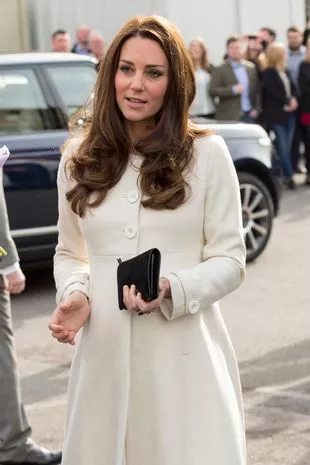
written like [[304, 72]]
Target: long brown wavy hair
[[103, 155]]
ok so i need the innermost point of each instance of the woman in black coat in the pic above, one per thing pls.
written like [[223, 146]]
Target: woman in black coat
[[279, 106], [304, 86]]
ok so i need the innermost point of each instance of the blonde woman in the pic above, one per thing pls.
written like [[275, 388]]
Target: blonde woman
[[280, 105], [203, 104], [304, 87]]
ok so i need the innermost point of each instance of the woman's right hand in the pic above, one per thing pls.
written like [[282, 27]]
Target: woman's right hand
[[69, 317]]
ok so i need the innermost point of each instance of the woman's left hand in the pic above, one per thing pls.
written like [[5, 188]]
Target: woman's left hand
[[134, 302], [293, 104]]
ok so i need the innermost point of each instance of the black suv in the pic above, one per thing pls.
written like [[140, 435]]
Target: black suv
[[37, 93]]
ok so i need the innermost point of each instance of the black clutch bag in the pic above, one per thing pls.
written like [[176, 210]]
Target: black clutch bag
[[142, 271]]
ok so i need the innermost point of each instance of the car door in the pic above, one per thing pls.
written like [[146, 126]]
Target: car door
[[35, 103], [29, 126]]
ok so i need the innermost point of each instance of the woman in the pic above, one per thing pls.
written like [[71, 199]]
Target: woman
[[304, 87], [279, 106], [161, 388], [203, 104]]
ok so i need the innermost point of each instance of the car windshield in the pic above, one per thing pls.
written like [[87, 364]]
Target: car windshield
[[74, 83], [23, 108]]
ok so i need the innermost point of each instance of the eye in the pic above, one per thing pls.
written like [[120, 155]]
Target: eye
[[126, 69], [154, 73]]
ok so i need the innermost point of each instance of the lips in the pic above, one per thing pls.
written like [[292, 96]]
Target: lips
[[135, 100]]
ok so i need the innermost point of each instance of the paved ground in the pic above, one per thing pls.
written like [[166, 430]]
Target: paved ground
[[268, 319]]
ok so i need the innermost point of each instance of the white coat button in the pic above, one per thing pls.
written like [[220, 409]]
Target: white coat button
[[132, 196], [130, 231], [193, 306]]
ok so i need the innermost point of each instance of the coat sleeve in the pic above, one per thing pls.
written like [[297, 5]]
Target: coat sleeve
[[6, 240], [71, 266], [257, 104], [273, 87], [223, 256]]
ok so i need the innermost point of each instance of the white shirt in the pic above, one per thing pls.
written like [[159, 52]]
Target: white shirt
[[286, 84], [203, 103], [10, 269]]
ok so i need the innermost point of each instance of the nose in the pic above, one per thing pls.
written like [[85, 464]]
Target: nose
[[137, 82]]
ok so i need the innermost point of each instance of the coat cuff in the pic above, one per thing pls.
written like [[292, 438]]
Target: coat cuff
[[10, 269], [175, 307], [76, 283]]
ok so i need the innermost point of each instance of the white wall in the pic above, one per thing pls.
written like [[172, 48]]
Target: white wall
[[214, 20], [13, 31]]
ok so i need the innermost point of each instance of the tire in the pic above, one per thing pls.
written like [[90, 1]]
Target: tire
[[257, 214]]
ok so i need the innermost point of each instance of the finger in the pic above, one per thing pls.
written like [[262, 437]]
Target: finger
[[60, 335], [55, 319], [133, 298], [145, 307], [125, 296], [71, 339], [133, 294], [148, 307], [11, 286], [19, 288], [141, 304], [64, 340], [68, 339], [55, 328]]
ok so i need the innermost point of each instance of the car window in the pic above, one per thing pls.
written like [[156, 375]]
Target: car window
[[74, 84], [23, 108]]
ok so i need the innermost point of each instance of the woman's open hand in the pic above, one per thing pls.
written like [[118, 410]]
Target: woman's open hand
[[69, 317]]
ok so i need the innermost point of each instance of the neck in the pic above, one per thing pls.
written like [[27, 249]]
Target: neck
[[138, 130], [295, 49]]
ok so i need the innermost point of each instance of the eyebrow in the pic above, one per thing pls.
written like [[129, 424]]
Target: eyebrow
[[147, 66]]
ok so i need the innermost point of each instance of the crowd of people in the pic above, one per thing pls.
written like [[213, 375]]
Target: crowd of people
[[88, 42], [264, 81], [260, 80]]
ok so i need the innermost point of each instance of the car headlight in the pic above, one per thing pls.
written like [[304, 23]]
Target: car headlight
[[264, 141]]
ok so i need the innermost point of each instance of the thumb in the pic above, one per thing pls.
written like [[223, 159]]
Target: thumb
[[65, 306]]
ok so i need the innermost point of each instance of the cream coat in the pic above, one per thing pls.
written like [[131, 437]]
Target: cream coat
[[161, 389]]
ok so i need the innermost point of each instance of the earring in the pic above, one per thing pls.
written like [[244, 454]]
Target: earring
[[172, 160]]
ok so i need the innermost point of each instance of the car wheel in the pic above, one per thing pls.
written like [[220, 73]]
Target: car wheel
[[257, 214]]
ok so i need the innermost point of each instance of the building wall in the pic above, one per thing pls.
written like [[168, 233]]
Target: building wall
[[14, 26], [214, 21]]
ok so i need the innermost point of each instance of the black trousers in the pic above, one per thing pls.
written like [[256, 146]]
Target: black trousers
[[306, 138], [299, 136]]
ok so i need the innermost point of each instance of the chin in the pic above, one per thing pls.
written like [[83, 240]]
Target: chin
[[135, 118]]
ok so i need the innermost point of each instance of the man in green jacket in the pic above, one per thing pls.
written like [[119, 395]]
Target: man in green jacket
[[235, 86]]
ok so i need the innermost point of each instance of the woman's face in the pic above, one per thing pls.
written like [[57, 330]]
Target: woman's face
[[196, 50], [141, 79]]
